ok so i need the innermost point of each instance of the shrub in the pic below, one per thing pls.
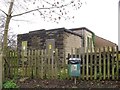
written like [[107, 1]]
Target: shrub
[[10, 84]]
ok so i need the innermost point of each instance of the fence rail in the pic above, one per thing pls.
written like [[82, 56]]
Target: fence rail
[[100, 64]]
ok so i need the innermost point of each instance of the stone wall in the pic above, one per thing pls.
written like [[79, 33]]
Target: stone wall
[[71, 41]]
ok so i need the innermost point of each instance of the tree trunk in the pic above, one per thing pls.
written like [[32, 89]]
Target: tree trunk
[[5, 37], [1, 70], [7, 27], [5, 44]]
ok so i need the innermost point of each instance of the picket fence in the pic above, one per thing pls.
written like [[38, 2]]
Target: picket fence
[[99, 64]]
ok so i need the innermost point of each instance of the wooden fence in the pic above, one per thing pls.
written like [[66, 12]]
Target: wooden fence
[[100, 64]]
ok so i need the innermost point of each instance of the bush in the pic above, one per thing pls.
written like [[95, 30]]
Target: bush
[[10, 84]]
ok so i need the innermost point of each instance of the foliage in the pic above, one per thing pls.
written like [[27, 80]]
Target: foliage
[[63, 74], [10, 84]]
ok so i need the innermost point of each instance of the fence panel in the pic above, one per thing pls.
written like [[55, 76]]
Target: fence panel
[[101, 63]]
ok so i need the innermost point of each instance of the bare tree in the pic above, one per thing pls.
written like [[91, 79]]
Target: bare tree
[[46, 9], [12, 42], [2, 19]]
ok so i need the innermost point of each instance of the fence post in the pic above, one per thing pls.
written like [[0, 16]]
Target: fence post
[[117, 64], [104, 63], [113, 64], [83, 64], [100, 65], [108, 62], [1, 71], [87, 65], [91, 64], [56, 63], [95, 64]]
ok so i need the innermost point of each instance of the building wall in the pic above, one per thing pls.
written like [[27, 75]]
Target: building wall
[[86, 35], [71, 41], [88, 43], [21, 38], [35, 40]]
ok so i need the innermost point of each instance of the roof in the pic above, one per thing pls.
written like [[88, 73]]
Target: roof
[[69, 31], [36, 31], [81, 28], [101, 42], [56, 29]]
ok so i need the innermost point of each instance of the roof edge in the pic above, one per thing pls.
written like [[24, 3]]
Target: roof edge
[[67, 30], [73, 29], [106, 40]]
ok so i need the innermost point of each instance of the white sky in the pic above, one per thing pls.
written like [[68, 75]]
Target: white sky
[[100, 16]]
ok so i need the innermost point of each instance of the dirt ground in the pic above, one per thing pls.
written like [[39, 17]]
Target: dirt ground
[[38, 83]]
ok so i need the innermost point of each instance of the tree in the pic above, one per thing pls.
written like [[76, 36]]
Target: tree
[[11, 36], [12, 42], [45, 7]]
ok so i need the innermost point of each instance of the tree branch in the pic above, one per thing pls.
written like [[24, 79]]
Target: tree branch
[[3, 12], [41, 13], [60, 15], [20, 20], [42, 8], [48, 3]]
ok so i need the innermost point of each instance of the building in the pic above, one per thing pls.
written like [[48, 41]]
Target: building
[[88, 38], [91, 40], [61, 38]]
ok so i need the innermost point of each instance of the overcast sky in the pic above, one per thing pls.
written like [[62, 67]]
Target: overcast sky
[[100, 16]]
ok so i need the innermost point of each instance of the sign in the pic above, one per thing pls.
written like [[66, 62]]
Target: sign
[[50, 46], [73, 68], [24, 47]]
